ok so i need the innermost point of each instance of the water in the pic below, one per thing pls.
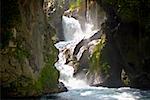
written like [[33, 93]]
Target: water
[[73, 34], [72, 29], [78, 89], [101, 93]]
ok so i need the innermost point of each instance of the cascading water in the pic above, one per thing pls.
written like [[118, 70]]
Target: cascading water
[[72, 29], [78, 89], [73, 34]]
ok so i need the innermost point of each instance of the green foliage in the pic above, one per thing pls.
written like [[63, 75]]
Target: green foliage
[[21, 53], [97, 63], [95, 66], [126, 10], [75, 4], [110, 2], [48, 78], [105, 67]]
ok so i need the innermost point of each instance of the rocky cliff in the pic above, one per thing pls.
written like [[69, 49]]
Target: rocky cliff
[[127, 31], [121, 57], [27, 51]]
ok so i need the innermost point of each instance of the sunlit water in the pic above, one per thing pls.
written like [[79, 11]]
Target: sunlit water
[[78, 89], [73, 34]]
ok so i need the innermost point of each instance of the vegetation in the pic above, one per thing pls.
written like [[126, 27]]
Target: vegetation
[[97, 62], [75, 4], [49, 75], [48, 79], [21, 53], [19, 76], [132, 42], [127, 10], [132, 36]]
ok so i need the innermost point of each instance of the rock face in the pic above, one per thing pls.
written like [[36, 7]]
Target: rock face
[[55, 10], [27, 51], [96, 64], [127, 30], [124, 49]]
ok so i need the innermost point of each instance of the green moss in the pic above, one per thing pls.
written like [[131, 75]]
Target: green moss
[[75, 4], [127, 11], [94, 59], [21, 53], [48, 78], [110, 2], [97, 62], [105, 67], [23, 84]]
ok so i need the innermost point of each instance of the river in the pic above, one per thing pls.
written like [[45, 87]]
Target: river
[[101, 93], [78, 89]]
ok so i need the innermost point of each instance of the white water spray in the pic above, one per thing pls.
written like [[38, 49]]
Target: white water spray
[[73, 35], [72, 29], [66, 71]]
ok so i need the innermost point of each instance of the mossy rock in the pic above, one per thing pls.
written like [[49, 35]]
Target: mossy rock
[[75, 4], [128, 11], [98, 64], [21, 72], [48, 79]]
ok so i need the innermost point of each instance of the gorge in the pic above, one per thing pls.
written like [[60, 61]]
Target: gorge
[[75, 49]]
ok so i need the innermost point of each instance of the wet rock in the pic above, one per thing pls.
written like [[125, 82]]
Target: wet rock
[[82, 52], [62, 87], [27, 67], [128, 34], [84, 42]]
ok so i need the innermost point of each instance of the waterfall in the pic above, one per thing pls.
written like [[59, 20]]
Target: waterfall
[[78, 89], [66, 71], [74, 31], [73, 34]]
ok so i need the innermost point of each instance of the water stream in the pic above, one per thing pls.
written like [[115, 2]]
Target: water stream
[[73, 35], [101, 93], [78, 89]]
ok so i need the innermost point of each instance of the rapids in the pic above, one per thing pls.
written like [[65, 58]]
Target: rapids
[[78, 89]]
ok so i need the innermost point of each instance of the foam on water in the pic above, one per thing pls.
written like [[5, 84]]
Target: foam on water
[[86, 93], [78, 89], [73, 35], [72, 29], [102, 93]]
